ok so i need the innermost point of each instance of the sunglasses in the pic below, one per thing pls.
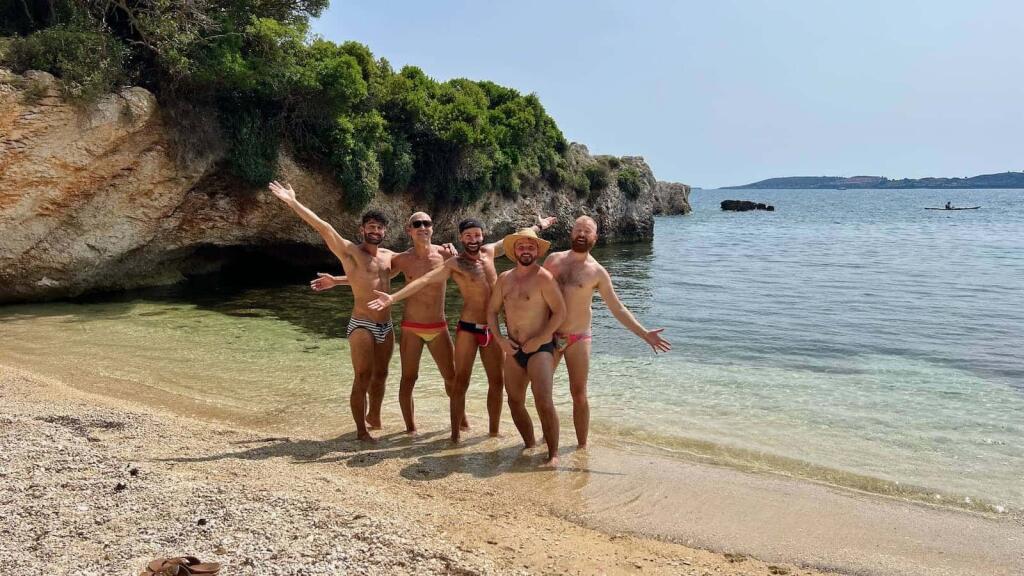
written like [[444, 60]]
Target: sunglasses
[[421, 224]]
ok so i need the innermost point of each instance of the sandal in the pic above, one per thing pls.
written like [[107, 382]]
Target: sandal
[[180, 566]]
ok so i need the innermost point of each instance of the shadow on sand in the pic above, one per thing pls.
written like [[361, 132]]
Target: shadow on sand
[[426, 453]]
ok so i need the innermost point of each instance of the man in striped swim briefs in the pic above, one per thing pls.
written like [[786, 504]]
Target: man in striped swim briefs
[[474, 273], [579, 275], [370, 336], [423, 317]]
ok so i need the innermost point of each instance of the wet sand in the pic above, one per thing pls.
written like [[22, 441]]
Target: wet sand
[[324, 502]]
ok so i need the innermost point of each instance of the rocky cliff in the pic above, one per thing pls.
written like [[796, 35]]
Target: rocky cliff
[[99, 198]]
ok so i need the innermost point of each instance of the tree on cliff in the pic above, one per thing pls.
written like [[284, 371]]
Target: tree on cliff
[[272, 84]]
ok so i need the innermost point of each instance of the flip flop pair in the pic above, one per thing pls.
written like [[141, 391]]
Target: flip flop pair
[[180, 566]]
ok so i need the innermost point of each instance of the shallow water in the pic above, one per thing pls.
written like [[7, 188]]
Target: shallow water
[[850, 337]]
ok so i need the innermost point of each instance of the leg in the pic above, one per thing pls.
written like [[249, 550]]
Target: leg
[[515, 385], [442, 350], [577, 362], [540, 369], [381, 358], [361, 345], [410, 348], [492, 358], [465, 355]]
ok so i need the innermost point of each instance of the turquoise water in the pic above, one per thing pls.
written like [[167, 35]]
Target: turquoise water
[[849, 337], [850, 330]]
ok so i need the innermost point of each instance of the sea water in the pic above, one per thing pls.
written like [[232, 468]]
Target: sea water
[[849, 337]]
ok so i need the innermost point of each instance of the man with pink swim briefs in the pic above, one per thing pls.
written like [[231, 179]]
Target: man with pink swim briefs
[[578, 275]]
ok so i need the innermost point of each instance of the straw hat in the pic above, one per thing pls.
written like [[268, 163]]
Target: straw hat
[[510, 243]]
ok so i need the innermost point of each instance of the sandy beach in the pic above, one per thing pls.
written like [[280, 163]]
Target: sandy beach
[[97, 484]]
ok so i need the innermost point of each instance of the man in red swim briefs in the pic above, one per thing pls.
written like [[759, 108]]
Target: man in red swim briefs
[[578, 275], [423, 319], [474, 274]]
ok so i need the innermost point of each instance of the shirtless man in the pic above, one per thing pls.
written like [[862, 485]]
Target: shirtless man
[[534, 309], [474, 274], [578, 275], [370, 335], [423, 319]]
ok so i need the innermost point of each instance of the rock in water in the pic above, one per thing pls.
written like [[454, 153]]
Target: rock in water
[[745, 206]]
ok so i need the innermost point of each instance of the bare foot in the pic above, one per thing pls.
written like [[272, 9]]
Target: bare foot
[[551, 462], [465, 423], [373, 425], [528, 445], [495, 434], [581, 447], [365, 437], [412, 432], [456, 438]]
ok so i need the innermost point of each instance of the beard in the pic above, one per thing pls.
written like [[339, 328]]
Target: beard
[[374, 239], [472, 248], [582, 245], [525, 259]]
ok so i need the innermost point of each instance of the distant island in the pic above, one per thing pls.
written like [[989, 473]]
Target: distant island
[[1001, 180]]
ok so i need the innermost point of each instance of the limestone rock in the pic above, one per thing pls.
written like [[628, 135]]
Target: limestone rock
[[101, 199], [671, 198]]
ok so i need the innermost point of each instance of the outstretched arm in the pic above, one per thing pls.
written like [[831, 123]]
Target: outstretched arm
[[553, 296], [334, 241], [326, 282], [439, 274], [498, 248], [626, 318]]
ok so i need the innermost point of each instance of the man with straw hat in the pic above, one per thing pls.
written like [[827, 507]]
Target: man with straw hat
[[534, 309]]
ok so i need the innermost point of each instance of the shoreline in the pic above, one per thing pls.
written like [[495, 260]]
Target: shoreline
[[467, 495]]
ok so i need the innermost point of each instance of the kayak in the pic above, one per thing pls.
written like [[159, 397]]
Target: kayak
[[968, 208]]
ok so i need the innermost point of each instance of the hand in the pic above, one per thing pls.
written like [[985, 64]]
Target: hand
[[450, 248], [323, 282], [546, 223], [657, 343], [507, 346], [531, 345], [383, 301], [283, 192]]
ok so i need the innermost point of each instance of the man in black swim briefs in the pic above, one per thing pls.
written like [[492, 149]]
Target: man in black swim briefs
[[534, 309]]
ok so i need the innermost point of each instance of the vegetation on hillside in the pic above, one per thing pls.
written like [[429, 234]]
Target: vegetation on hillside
[[1000, 180], [272, 84]]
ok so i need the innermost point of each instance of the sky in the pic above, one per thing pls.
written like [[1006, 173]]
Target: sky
[[730, 92]]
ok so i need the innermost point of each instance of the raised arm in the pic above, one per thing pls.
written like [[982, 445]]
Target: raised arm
[[439, 274], [626, 318], [498, 248], [338, 245], [553, 296]]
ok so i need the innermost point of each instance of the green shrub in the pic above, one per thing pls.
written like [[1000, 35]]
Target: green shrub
[[580, 183], [558, 177], [614, 162], [253, 149], [88, 63], [397, 166], [630, 182], [333, 105], [598, 175]]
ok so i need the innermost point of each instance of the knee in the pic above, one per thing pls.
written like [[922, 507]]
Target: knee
[[408, 382], [579, 395], [516, 402], [363, 377]]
